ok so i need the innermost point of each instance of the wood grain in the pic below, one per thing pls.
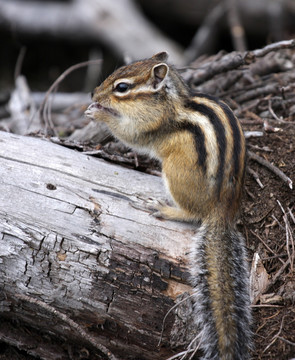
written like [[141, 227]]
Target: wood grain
[[72, 236]]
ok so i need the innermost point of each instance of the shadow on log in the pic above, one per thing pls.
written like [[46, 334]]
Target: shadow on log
[[84, 273]]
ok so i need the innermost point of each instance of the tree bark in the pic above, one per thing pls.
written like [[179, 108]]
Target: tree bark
[[84, 268]]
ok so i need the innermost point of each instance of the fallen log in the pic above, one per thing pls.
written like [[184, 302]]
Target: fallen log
[[85, 270]]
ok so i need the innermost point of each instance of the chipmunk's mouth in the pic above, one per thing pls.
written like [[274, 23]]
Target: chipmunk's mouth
[[95, 109]]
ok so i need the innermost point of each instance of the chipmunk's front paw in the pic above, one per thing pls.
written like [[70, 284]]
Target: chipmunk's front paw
[[157, 214], [154, 209], [162, 211]]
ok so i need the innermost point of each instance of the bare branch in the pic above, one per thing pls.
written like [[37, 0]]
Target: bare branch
[[45, 107], [271, 167]]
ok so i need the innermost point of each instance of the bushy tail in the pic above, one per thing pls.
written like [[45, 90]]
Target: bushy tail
[[221, 286]]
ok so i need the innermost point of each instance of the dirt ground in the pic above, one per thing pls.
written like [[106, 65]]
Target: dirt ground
[[266, 231]]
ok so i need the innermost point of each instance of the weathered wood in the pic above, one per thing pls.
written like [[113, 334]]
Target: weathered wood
[[74, 244]]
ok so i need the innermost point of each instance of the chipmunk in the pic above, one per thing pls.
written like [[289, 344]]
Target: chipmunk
[[201, 147]]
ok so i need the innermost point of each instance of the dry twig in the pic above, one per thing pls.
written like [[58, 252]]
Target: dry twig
[[285, 44], [19, 62], [289, 238], [255, 175], [271, 167], [272, 112], [267, 247], [277, 275], [45, 107], [274, 339], [233, 61]]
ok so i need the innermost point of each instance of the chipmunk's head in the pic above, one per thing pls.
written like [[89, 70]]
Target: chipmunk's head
[[136, 97]]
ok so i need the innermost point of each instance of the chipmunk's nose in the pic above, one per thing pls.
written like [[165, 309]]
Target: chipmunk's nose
[[92, 109]]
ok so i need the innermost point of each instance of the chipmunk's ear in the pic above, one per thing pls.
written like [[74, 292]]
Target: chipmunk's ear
[[159, 73], [161, 56]]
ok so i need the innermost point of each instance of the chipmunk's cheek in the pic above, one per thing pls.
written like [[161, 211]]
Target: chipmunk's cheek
[[95, 111]]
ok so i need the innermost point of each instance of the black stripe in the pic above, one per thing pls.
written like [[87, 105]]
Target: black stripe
[[220, 136], [170, 126], [234, 126], [236, 136], [199, 140], [194, 93]]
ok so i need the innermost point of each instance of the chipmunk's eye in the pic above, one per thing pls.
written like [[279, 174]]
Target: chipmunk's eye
[[122, 87]]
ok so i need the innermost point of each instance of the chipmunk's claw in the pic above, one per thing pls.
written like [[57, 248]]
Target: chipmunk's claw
[[153, 209]]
